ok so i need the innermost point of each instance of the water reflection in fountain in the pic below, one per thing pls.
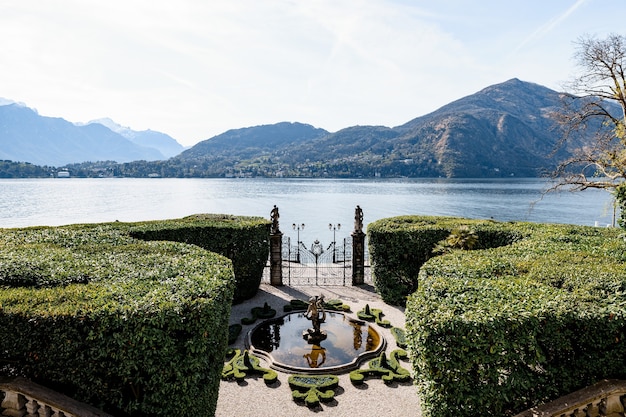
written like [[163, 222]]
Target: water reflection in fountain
[[334, 343]]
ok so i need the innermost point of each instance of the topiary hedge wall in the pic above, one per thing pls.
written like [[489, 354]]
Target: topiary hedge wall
[[399, 246], [135, 328], [496, 331], [244, 240]]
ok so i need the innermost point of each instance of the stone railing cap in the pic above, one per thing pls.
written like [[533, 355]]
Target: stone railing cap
[[49, 397]]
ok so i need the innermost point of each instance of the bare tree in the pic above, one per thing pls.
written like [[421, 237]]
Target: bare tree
[[595, 108]]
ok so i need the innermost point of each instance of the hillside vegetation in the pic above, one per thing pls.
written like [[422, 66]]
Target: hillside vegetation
[[501, 131]]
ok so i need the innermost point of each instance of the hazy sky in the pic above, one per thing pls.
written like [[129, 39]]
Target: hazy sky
[[196, 68]]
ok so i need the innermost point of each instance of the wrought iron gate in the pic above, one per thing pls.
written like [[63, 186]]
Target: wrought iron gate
[[343, 262], [317, 264]]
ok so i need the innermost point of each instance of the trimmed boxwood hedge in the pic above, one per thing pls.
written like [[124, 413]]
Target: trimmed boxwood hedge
[[399, 246], [497, 330], [242, 239], [135, 328]]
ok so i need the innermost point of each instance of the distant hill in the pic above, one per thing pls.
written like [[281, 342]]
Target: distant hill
[[251, 142], [259, 145], [167, 145], [25, 136], [502, 130]]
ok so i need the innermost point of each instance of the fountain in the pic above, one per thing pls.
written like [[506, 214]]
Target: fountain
[[316, 341]]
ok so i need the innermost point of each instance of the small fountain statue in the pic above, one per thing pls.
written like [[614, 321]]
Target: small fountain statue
[[315, 312]]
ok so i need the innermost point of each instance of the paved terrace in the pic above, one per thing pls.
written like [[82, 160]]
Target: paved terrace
[[253, 398]]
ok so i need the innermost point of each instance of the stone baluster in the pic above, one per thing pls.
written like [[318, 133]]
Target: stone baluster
[[14, 404], [22, 398], [45, 411], [19, 405], [593, 409], [32, 407], [605, 399]]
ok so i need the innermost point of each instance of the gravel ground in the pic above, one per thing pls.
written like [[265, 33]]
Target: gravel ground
[[253, 398]]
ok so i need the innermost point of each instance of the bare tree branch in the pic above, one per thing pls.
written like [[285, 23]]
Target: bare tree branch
[[595, 108]]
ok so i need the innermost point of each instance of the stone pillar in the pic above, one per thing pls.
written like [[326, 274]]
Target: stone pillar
[[358, 249], [358, 258], [276, 250], [276, 259]]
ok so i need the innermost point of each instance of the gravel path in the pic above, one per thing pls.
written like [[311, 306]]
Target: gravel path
[[253, 398]]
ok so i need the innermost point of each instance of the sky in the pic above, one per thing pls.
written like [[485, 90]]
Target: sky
[[194, 69]]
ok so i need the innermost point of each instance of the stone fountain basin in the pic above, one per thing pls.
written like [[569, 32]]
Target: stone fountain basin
[[348, 342]]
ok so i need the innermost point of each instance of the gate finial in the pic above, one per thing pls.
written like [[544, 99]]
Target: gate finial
[[358, 220], [274, 217]]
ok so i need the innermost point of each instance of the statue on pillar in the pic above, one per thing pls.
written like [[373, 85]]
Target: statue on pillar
[[358, 248], [358, 220], [274, 217]]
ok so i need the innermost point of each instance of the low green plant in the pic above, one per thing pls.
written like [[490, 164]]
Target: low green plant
[[313, 389], [400, 336], [244, 364], [330, 305], [265, 312], [373, 314], [387, 369], [462, 238]]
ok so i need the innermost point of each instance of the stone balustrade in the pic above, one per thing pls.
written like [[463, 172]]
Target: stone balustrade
[[20, 397], [604, 399]]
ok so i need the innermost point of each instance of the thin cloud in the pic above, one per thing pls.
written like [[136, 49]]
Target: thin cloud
[[195, 69], [543, 30]]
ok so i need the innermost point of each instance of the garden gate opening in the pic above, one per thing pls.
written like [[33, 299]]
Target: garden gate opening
[[343, 261]]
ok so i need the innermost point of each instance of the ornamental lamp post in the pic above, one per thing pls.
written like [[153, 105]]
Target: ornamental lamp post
[[298, 227], [334, 228]]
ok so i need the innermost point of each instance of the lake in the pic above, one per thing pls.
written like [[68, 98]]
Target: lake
[[314, 202]]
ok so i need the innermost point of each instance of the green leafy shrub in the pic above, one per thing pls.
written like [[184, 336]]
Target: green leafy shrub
[[399, 246], [244, 240], [460, 238], [620, 201], [498, 330], [135, 328]]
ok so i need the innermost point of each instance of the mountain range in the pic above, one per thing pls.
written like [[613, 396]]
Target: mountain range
[[503, 130], [26, 136]]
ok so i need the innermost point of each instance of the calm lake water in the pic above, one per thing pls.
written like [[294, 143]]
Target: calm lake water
[[314, 202]]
